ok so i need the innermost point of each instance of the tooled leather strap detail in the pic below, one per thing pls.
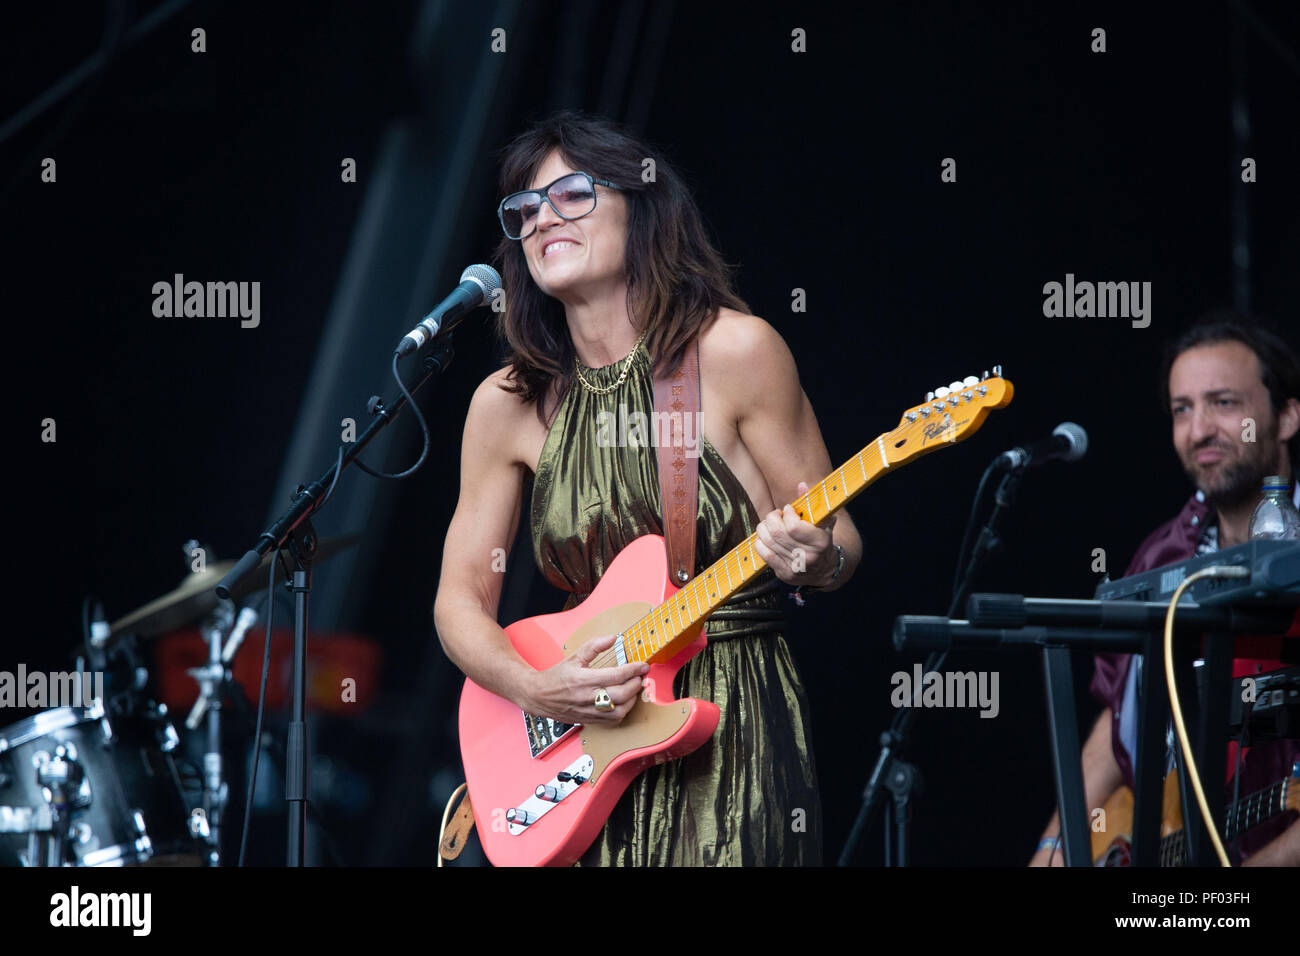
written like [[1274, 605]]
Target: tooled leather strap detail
[[679, 472]]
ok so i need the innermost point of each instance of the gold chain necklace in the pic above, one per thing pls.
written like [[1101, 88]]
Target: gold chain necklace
[[627, 366]]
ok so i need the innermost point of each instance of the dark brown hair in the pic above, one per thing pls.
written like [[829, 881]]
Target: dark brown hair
[[676, 280]]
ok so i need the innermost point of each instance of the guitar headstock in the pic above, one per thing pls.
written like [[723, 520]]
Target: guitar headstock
[[950, 413]]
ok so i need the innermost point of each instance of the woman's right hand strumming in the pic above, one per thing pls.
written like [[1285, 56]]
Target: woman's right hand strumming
[[493, 461], [567, 691]]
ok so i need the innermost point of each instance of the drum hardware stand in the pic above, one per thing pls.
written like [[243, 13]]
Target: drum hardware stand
[[293, 531], [61, 777], [205, 821], [47, 827]]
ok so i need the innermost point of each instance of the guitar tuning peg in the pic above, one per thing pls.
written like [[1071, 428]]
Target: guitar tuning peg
[[941, 391], [955, 387], [985, 375], [970, 380], [997, 371], [929, 396]]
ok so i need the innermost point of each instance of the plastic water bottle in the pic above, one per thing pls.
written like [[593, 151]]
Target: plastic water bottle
[[1275, 517]]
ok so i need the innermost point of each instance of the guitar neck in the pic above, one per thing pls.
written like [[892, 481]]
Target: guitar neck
[[947, 416], [1249, 812], [654, 637]]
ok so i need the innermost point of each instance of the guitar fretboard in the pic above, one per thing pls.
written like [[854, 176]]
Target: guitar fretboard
[[1250, 811], [948, 415], [648, 638]]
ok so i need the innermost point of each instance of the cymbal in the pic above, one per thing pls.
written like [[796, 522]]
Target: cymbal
[[196, 595], [191, 600]]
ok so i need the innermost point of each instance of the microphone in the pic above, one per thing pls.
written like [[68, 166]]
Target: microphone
[[1068, 442], [478, 284], [247, 618]]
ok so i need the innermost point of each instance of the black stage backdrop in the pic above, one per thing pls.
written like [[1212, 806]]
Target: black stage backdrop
[[818, 169]]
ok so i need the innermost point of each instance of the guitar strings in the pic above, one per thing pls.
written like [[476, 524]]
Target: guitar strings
[[803, 506]]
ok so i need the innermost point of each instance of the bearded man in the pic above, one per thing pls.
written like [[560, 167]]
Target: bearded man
[[1232, 388]]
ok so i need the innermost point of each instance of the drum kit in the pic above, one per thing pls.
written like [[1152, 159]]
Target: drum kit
[[100, 785]]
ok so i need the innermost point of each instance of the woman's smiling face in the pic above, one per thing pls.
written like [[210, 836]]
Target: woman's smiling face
[[573, 258]]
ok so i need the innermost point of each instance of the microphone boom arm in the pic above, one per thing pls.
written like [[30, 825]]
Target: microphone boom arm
[[308, 497]]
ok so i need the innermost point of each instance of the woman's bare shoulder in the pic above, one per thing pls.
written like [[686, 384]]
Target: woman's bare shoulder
[[740, 346], [491, 391], [498, 417]]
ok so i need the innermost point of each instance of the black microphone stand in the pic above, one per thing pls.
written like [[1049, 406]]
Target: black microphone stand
[[902, 778], [293, 531]]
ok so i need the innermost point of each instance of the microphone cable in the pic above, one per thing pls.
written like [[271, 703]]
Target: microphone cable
[[261, 705], [424, 428], [1193, 775]]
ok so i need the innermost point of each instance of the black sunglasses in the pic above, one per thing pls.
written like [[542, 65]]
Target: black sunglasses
[[572, 196]]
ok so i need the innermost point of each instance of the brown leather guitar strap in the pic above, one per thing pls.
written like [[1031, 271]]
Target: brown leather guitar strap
[[679, 469], [457, 831]]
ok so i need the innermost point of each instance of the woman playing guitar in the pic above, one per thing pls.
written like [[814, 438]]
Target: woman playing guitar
[[609, 280]]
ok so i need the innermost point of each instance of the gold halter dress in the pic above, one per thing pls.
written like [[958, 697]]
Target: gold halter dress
[[749, 795]]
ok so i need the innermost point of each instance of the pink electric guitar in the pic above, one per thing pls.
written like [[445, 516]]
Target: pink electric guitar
[[542, 790]]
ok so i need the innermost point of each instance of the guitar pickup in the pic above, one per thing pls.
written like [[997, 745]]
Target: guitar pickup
[[544, 733]]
